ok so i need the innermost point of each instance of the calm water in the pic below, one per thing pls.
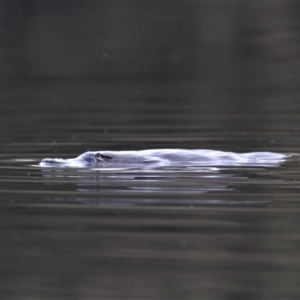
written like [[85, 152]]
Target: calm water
[[162, 233], [129, 75]]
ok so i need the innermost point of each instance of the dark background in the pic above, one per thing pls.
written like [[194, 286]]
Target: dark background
[[144, 58], [90, 75]]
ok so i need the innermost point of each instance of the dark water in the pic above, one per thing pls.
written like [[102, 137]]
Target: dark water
[[129, 75], [162, 233]]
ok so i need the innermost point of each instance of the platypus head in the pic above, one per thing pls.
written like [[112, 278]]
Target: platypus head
[[86, 159]]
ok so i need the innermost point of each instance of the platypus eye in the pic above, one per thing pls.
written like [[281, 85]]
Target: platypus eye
[[102, 157]]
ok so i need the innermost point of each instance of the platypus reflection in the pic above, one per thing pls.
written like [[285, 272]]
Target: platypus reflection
[[165, 157]]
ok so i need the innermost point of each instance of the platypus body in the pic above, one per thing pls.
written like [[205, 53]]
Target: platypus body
[[165, 157]]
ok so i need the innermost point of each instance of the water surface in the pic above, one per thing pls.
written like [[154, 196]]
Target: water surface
[[210, 232], [82, 76]]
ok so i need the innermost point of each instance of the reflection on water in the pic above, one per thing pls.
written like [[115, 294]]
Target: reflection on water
[[165, 185], [131, 75], [164, 233]]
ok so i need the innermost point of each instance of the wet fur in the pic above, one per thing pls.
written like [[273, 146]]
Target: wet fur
[[165, 157]]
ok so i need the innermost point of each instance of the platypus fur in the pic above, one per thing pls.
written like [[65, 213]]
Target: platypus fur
[[165, 157]]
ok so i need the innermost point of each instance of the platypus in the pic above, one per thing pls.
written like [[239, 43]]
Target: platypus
[[165, 157]]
